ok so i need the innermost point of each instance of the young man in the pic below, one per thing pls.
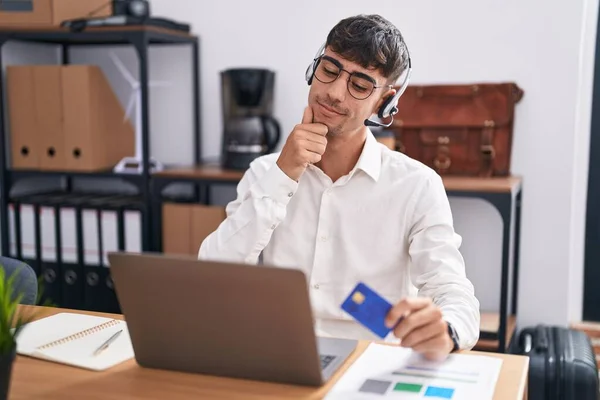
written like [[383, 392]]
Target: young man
[[345, 209]]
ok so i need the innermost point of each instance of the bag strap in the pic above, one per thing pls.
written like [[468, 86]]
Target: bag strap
[[488, 152]]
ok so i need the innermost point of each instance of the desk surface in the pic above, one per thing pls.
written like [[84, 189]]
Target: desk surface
[[37, 379], [452, 183]]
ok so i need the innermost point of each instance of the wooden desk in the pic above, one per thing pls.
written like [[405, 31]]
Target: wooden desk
[[37, 379], [202, 172]]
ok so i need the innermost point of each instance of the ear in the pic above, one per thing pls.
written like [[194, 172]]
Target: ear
[[385, 96]]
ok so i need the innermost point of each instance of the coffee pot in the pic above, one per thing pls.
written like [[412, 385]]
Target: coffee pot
[[249, 128]]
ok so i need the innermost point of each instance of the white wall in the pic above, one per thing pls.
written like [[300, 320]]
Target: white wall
[[546, 47]]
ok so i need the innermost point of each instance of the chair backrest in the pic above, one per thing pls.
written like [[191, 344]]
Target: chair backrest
[[25, 281]]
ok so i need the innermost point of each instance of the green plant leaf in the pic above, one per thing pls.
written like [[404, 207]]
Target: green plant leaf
[[12, 319]]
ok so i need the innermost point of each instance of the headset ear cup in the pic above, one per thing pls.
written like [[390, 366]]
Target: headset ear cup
[[383, 112], [388, 108], [310, 71]]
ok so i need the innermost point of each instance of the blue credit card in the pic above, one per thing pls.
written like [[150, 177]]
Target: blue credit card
[[368, 308]]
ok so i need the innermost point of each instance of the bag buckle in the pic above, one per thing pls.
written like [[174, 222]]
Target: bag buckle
[[488, 150], [442, 162]]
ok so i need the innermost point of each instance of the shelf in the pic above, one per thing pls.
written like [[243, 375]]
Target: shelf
[[105, 201], [98, 35], [490, 323], [15, 175], [209, 172]]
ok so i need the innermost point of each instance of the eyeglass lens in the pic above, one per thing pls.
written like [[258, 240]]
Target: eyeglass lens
[[359, 87]]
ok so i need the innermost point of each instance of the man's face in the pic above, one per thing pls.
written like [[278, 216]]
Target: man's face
[[345, 103]]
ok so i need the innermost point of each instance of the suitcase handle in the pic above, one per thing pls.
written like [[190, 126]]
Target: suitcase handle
[[541, 336], [534, 339], [527, 343]]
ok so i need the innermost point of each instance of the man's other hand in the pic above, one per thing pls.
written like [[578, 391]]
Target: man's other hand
[[418, 323]]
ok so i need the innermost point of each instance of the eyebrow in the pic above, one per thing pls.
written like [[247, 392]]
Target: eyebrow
[[355, 73]]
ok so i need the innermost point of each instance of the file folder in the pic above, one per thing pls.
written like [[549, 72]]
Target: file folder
[[23, 123], [49, 112], [12, 233]]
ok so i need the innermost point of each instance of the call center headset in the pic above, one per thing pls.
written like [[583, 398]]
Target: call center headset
[[388, 109]]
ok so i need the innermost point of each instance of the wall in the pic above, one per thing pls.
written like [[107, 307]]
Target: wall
[[461, 41]]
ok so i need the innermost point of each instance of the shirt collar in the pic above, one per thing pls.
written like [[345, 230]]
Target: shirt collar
[[370, 158]]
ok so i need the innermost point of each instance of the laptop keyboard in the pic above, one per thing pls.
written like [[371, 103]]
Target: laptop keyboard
[[326, 360]]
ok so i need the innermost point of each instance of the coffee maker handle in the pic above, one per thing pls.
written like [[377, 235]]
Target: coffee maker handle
[[273, 133]]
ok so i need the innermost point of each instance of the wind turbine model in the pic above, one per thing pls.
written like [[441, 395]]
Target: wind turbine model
[[134, 165]]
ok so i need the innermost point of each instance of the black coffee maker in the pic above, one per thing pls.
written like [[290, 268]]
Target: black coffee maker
[[249, 129]]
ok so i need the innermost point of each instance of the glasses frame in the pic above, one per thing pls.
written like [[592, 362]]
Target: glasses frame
[[350, 75]]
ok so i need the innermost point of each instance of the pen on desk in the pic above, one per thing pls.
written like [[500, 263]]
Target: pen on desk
[[105, 345]]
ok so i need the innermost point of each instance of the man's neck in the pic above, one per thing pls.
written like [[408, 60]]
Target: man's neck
[[342, 154]]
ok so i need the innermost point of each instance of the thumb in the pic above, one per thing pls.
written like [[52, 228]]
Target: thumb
[[307, 118]]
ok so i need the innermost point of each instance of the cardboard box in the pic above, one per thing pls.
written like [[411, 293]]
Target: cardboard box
[[66, 118], [185, 226], [176, 228], [40, 13]]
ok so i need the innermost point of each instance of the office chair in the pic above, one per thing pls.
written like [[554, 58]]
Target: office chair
[[25, 281]]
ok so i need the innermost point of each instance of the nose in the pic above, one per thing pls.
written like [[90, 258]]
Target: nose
[[338, 88]]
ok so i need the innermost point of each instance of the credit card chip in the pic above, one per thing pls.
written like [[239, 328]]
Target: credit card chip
[[358, 297]]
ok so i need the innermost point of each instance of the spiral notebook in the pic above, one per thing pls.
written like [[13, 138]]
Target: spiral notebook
[[72, 339]]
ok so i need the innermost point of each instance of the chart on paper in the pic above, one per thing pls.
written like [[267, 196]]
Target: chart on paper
[[394, 372]]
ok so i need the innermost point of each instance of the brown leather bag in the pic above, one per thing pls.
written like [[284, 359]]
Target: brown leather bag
[[458, 129]]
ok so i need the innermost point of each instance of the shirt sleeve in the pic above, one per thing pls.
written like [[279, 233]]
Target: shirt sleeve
[[438, 268], [262, 196]]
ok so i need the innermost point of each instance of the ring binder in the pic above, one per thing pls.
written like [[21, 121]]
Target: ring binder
[[79, 335]]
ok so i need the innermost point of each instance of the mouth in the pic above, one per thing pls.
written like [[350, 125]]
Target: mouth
[[328, 110]]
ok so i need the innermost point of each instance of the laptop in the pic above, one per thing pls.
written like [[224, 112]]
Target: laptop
[[224, 319]]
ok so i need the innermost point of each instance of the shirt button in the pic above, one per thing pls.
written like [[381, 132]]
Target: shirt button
[[290, 194], [273, 226], [316, 286], [323, 238]]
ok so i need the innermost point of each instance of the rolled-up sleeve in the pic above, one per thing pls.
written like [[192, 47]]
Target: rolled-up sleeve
[[438, 268]]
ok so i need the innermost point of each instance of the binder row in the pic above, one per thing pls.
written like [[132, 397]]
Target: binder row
[[66, 238]]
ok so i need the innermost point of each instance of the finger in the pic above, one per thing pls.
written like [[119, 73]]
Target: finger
[[311, 157], [424, 333], [314, 147], [417, 319], [319, 129], [435, 347], [307, 118], [405, 307], [311, 136]]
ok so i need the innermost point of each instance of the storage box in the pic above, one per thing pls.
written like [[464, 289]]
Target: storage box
[[39, 13], [65, 118], [185, 226]]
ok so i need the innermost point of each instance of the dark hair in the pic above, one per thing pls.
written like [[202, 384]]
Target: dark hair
[[372, 42]]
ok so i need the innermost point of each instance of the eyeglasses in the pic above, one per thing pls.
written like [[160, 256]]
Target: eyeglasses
[[360, 86]]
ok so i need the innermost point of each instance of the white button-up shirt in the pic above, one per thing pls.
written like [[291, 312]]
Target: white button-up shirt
[[387, 223]]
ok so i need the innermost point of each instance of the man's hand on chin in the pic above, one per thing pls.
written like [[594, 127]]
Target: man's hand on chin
[[421, 327]]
